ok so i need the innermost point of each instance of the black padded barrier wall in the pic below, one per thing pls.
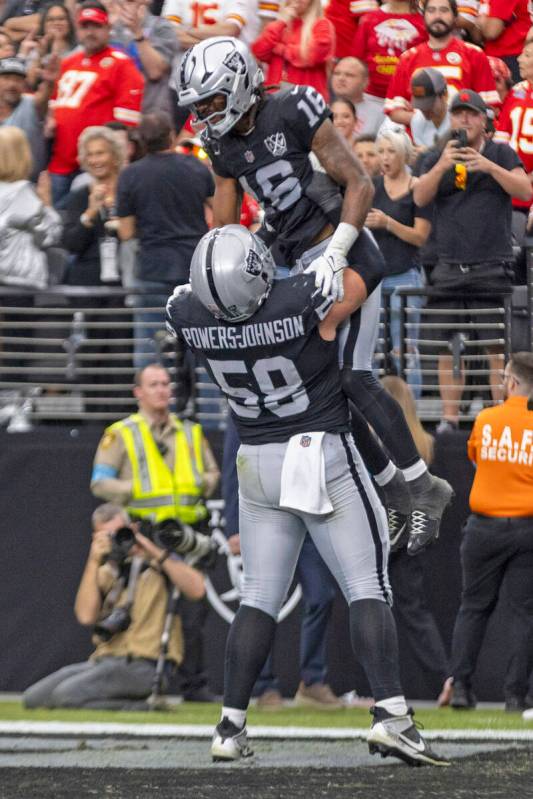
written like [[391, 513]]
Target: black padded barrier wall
[[45, 509]]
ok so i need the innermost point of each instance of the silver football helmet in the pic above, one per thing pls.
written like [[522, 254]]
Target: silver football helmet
[[231, 272], [219, 65]]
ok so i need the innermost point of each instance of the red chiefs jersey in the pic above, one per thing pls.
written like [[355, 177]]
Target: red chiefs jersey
[[514, 126], [381, 39], [515, 15], [345, 16], [92, 90], [464, 66]]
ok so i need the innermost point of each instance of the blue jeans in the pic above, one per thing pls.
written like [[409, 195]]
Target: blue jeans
[[148, 323], [412, 278]]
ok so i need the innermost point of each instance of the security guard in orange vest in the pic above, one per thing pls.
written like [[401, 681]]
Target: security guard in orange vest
[[497, 545], [157, 466]]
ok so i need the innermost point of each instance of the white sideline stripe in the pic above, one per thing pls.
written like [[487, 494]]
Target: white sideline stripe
[[206, 731]]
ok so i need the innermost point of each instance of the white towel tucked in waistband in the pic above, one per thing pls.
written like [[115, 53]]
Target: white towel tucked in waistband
[[303, 475]]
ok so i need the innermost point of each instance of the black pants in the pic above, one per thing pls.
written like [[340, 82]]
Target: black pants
[[414, 618], [192, 670], [496, 556]]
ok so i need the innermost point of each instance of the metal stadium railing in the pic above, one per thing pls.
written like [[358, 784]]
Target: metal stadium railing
[[67, 355]]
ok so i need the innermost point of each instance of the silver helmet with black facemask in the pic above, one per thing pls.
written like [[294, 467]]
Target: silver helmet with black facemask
[[231, 272], [219, 65]]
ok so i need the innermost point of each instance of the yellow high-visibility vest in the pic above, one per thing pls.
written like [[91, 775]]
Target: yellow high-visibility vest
[[158, 492]]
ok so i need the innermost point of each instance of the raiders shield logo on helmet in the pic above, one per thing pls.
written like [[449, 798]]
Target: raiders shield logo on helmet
[[253, 265], [235, 62]]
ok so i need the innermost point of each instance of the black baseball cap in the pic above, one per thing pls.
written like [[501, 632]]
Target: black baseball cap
[[426, 85], [12, 66], [466, 98]]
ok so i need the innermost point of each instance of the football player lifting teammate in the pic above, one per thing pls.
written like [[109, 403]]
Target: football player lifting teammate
[[267, 144], [270, 346]]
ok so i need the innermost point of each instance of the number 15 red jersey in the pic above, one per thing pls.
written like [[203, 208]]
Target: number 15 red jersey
[[515, 127]]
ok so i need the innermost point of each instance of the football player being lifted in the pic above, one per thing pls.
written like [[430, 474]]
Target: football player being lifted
[[283, 149], [271, 348]]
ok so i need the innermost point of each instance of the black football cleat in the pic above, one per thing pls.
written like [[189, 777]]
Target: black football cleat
[[397, 736], [429, 505]]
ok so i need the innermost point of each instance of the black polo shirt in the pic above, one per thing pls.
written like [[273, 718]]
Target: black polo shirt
[[474, 223]]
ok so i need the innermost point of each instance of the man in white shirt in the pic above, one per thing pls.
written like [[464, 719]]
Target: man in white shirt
[[200, 19], [349, 79], [431, 120]]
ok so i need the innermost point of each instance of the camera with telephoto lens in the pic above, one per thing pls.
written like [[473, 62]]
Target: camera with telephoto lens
[[197, 549], [122, 541]]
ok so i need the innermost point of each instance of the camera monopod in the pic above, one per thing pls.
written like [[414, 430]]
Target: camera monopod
[[154, 700]]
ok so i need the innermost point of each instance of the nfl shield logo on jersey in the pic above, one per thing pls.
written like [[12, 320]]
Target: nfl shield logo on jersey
[[249, 156], [305, 441], [276, 144]]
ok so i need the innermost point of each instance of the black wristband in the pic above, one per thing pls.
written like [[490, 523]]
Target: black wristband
[[162, 558]]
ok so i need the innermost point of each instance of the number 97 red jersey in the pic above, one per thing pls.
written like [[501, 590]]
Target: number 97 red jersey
[[92, 90], [515, 127]]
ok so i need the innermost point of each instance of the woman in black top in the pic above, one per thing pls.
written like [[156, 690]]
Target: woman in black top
[[400, 228], [90, 218], [90, 234]]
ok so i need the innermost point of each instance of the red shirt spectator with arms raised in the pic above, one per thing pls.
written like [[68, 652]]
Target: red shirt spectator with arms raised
[[96, 85], [382, 36], [344, 15], [463, 65], [504, 25], [298, 47]]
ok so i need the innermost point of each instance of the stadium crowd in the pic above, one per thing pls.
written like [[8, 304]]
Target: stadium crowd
[[81, 81], [104, 180]]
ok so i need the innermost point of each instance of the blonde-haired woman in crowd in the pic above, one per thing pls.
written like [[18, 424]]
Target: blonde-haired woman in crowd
[[400, 228], [28, 223], [298, 47], [90, 211], [424, 441]]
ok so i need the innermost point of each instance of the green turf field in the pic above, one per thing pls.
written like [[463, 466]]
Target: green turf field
[[191, 713]]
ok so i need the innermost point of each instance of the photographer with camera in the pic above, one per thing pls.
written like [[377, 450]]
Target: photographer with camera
[[472, 182], [125, 592], [159, 467]]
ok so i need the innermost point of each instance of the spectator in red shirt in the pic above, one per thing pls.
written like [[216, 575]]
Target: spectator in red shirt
[[504, 25], [344, 16], [463, 65], [96, 84], [382, 36], [515, 127], [298, 47]]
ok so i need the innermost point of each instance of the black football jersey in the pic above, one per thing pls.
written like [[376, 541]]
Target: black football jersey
[[279, 376], [272, 164]]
